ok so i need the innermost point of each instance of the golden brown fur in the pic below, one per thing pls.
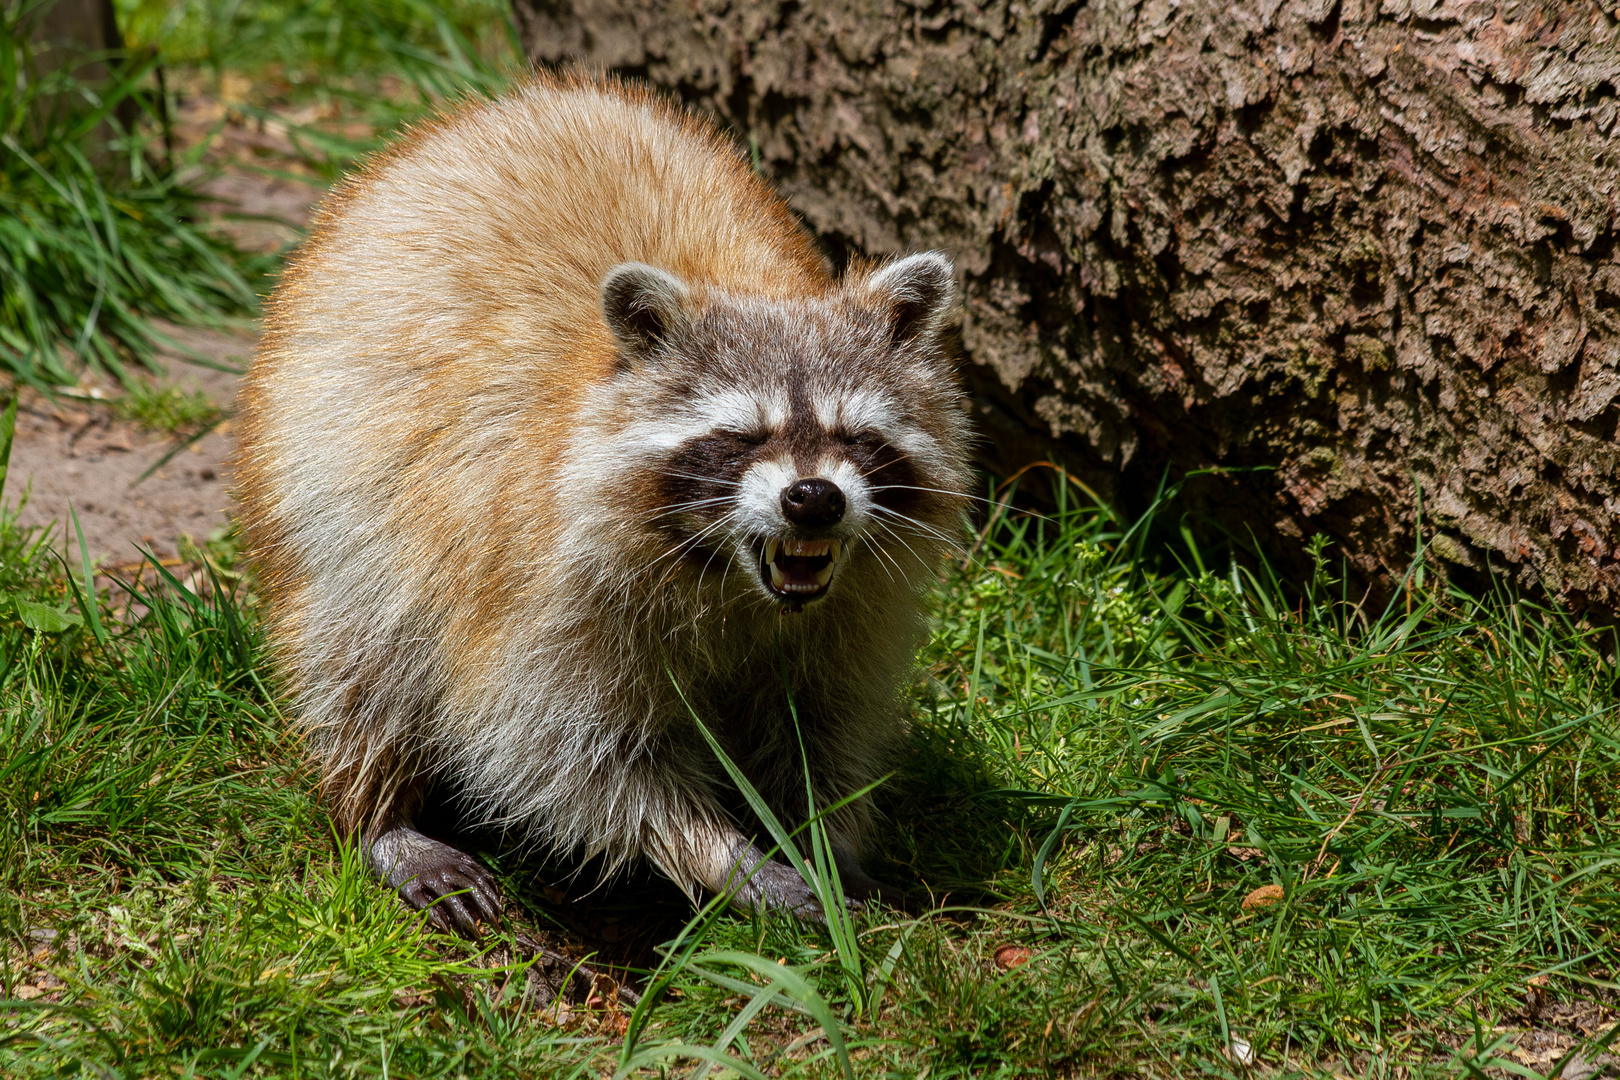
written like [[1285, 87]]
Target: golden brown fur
[[461, 589]]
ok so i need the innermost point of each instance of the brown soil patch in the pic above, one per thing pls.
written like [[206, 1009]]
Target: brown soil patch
[[74, 451]]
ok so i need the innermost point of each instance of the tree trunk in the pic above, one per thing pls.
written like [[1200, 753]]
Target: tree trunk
[[81, 36], [64, 31], [1371, 244]]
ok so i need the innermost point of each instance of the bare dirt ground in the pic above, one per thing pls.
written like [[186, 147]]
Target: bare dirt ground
[[75, 451]]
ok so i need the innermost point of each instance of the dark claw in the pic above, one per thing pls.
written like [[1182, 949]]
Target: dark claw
[[457, 893], [775, 886], [451, 913]]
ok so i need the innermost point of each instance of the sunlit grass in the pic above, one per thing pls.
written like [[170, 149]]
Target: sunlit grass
[[97, 236], [1177, 808], [100, 229], [337, 77], [167, 408]]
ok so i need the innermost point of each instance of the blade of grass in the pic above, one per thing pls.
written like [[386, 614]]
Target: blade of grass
[[8, 428], [87, 600]]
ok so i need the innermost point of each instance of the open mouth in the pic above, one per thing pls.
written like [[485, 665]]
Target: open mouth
[[799, 569]]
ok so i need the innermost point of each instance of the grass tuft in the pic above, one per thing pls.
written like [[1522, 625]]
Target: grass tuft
[[97, 237], [167, 409], [1177, 816]]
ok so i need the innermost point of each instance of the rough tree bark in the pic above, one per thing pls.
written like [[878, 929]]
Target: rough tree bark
[[1368, 242]]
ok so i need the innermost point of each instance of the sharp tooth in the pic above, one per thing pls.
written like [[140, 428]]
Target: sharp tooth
[[778, 578], [824, 575], [834, 549], [771, 547]]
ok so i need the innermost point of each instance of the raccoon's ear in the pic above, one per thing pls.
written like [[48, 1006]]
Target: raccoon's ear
[[643, 306], [917, 291]]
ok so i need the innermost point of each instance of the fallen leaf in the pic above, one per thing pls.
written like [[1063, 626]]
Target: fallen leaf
[[1264, 896], [1011, 956]]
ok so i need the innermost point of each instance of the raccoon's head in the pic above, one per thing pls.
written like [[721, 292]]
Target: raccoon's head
[[800, 444]]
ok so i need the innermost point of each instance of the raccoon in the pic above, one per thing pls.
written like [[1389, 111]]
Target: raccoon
[[561, 433]]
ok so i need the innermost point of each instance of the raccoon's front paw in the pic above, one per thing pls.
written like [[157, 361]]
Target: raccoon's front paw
[[780, 888], [456, 891], [767, 885], [773, 886]]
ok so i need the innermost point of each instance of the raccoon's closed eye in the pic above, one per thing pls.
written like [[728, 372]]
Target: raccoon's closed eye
[[725, 446], [879, 461], [866, 438]]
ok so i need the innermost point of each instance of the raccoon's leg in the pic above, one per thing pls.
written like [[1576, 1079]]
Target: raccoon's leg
[[450, 885], [776, 886], [702, 849], [457, 892], [766, 884], [663, 808], [773, 884]]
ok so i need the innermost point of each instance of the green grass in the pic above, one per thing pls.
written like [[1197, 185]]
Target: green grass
[[100, 232], [323, 44], [167, 408], [373, 64], [1117, 742], [97, 236]]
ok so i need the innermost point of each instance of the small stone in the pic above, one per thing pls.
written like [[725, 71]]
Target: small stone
[[28, 992]]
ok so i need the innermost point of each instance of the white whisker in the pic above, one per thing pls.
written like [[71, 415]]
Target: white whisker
[[697, 476], [920, 527], [885, 560], [934, 491], [907, 546], [692, 540], [676, 508], [726, 573]]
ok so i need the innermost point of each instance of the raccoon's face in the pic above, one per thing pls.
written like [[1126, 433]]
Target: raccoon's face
[[799, 443]]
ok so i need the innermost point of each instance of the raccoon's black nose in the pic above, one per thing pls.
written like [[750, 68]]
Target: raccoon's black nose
[[813, 503]]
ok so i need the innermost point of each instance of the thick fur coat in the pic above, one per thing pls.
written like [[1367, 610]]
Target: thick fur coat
[[559, 410]]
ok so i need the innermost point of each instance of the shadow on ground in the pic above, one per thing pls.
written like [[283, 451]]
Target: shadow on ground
[[943, 836]]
